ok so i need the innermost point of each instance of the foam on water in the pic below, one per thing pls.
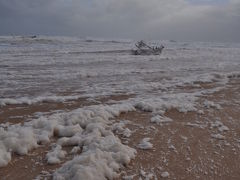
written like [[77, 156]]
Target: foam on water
[[31, 68]]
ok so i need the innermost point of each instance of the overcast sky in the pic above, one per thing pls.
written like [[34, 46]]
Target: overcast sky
[[185, 20]]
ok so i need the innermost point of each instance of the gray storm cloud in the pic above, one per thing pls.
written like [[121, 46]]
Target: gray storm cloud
[[152, 19]]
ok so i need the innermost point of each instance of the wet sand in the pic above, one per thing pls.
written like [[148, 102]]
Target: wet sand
[[186, 148]]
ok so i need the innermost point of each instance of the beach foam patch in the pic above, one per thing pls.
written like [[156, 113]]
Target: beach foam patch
[[88, 129]]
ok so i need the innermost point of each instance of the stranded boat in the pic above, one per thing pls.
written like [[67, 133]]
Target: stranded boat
[[144, 49]]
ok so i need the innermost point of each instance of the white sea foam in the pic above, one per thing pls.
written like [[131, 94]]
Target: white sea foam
[[55, 156], [165, 174], [219, 125], [100, 67], [5, 156], [38, 70], [218, 136], [102, 155], [182, 101], [211, 104], [29, 101], [119, 128], [145, 144], [160, 119]]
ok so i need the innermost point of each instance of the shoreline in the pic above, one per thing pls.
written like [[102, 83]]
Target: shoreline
[[188, 147]]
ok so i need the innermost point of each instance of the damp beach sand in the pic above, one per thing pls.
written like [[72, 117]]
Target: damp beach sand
[[201, 144]]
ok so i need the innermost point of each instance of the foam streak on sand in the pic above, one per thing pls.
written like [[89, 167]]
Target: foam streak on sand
[[102, 155], [90, 129], [68, 126], [29, 101]]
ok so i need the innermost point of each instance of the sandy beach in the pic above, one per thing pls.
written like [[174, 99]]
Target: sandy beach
[[193, 145]]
